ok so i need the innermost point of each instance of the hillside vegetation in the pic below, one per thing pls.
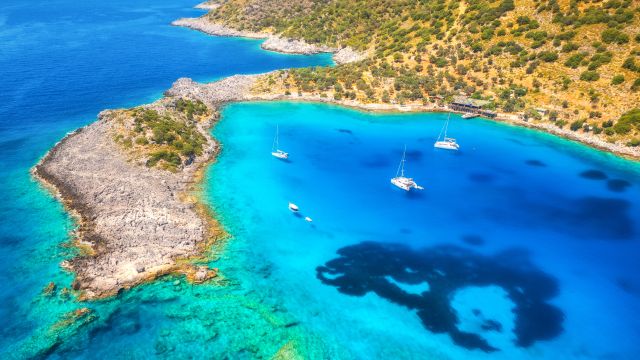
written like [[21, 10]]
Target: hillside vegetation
[[579, 60]]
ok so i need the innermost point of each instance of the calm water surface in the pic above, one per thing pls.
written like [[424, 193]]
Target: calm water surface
[[521, 245]]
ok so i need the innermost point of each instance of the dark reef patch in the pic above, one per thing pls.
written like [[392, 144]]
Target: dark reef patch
[[474, 240], [627, 286], [594, 175], [599, 218], [414, 155], [345, 131], [10, 241], [481, 178], [12, 146], [376, 161], [584, 218], [618, 185], [535, 163], [363, 268], [121, 322]]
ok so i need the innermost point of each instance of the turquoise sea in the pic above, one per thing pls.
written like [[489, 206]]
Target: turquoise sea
[[521, 245]]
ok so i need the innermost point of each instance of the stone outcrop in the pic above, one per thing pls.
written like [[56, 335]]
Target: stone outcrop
[[207, 5], [233, 88]]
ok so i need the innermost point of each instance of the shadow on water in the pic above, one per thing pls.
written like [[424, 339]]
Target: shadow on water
[[588, 218], [534, 162], [593, 175], [366, 267], [481, 178], [618, 185], [414, 155], [474, 240], [377, 161]]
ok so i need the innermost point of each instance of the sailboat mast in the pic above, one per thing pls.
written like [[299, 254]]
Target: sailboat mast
[[276, 144], [446, 126], [404, 153]]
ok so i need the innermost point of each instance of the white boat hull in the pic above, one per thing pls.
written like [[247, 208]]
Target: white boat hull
[[405, 184], [280, 154], [446, 145]]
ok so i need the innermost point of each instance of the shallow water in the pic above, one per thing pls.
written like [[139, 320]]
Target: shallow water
[[61, 62], [516, 223]]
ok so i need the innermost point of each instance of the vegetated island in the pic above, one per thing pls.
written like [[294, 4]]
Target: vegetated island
[[127, 177]]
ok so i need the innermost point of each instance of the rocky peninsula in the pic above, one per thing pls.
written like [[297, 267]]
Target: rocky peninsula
[[272, 42], [136, 222]]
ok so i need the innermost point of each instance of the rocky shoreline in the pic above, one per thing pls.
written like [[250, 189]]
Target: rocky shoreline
[[272, 42]]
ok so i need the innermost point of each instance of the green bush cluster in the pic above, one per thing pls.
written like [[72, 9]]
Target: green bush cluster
[[627, 122], [179, 140]]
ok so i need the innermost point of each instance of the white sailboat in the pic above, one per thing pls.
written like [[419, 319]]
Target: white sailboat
[[275, 151], [446, 142], [400, 180]]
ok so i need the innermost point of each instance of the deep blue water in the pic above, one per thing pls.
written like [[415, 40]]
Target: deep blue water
[[521, 245]]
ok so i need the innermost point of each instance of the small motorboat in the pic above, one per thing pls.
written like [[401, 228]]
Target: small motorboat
[[280, 154], [293, 207], [469, 116], [308, 219], [400, 180]]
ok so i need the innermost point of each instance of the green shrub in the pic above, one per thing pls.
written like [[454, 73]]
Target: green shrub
[[589, 75], [548, 56], [171, 158], [574, 60], [576, 125], [569, 47], [613, 36], [617, 80], [628, 121]]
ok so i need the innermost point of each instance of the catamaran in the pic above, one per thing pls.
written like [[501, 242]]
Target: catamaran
[[446, 142], [400, 180], [274, 148]]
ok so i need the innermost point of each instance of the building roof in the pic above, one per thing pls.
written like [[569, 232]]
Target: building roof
[[467, 101]]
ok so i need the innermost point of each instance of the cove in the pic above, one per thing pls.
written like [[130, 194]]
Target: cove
[[512, 210]]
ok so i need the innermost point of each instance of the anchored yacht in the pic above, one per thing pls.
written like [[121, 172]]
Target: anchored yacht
[[400, 180], [275, 151], [446, 142]]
